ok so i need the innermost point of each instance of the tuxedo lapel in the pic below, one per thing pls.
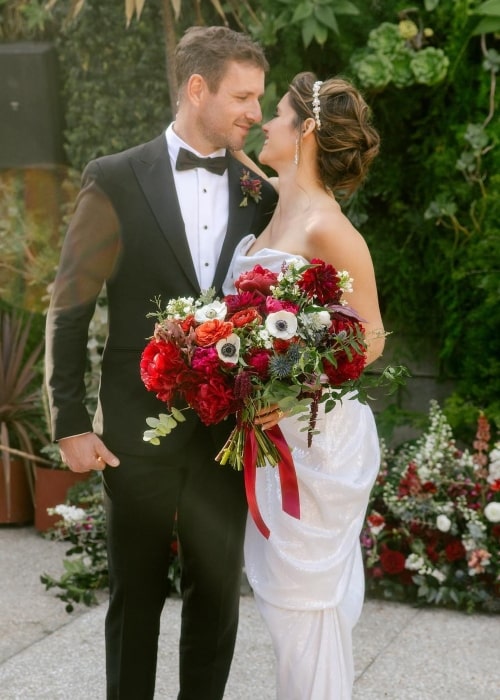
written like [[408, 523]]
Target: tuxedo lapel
[[154, 174]]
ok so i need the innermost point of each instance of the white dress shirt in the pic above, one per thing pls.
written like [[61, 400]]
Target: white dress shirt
[[204, 202]]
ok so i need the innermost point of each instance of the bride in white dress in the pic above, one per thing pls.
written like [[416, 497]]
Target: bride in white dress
[[308, 576]]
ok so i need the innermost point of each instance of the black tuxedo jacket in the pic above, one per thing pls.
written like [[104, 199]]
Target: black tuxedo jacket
[[127, 233]]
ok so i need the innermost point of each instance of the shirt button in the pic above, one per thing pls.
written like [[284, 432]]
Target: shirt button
[[205, 227], [207, 264], [204, 190]]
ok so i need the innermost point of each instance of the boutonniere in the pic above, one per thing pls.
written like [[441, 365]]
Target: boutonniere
[[250, 186]]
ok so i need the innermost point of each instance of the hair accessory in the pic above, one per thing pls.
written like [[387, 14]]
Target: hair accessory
[[315, 103]]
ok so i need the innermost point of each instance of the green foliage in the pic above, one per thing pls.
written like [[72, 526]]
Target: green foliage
[[114, 80]]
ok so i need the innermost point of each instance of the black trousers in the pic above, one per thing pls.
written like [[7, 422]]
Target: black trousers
[[143, 496]]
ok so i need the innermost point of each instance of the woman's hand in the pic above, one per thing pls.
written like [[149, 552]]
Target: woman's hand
[[269, 416]]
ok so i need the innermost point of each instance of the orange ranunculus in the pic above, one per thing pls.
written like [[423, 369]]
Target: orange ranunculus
[[210, 332], [245, 316]]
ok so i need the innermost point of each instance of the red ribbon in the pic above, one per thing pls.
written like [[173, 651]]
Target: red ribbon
[[288, 478]]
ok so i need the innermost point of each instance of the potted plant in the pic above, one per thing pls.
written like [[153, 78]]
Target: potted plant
[[20, 417]]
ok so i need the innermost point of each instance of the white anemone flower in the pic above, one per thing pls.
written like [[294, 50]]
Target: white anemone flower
[[492, 512], [228, 349], [209, 312], [282, 324]]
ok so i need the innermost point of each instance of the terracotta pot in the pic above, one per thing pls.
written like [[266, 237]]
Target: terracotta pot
[[51, 488], [20, 508]]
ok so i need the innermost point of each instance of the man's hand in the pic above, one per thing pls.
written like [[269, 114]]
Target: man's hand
[[84, 453]]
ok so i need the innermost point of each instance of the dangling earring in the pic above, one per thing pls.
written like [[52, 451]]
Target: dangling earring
[[296, 157]]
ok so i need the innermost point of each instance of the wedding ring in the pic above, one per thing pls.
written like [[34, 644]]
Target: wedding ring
[[280, 413], [99, 459]]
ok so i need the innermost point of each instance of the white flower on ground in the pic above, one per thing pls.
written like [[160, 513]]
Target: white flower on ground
[[438, 575], [492, 512], [70, 514], [228, 349], [414, 562], [209, 312], [494, 468], [443, 523], [282, 324]]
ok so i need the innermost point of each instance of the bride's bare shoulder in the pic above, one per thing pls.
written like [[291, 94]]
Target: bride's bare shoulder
[[331, 234]]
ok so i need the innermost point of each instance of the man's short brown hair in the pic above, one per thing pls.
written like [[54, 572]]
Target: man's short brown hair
[[207, 51]]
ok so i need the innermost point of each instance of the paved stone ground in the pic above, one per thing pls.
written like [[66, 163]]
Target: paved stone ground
[[401, 653]]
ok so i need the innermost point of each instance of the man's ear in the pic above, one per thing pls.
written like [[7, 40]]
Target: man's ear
[[196, 88]]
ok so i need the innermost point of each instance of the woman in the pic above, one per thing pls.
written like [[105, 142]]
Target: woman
[[308, 576]]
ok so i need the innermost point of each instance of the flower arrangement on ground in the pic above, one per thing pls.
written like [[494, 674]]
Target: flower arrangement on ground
[[432, 531], [286, 338], [82, 524]]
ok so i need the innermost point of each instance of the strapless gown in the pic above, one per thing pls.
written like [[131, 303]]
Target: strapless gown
[[308, 577]]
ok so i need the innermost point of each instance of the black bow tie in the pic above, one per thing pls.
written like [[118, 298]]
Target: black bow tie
[[186, 160]]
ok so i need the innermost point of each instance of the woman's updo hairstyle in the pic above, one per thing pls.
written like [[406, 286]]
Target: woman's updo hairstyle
[[347, 142]]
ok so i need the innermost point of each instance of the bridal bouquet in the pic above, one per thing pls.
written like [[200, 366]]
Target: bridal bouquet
[[284, 338]]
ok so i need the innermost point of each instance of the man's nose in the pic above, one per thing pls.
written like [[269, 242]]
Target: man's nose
[[254, 113]]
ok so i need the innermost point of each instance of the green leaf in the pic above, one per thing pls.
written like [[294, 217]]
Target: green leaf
[[308, 31], [431, 5], [490, 7], [325, 16], [344, 7], [302, 11], [488, 25], [178, 415]]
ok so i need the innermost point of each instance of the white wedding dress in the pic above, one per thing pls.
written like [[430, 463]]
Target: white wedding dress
[[308, 577]]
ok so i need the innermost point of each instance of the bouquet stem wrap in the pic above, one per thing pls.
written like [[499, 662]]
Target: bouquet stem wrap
[[288, 478]]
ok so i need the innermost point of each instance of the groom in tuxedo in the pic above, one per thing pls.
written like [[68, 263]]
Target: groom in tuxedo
[[161, 219]]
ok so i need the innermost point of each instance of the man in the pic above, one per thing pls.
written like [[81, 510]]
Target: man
[[144, 226]]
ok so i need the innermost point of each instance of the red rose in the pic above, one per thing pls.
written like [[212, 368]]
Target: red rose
[[454, 550], [322, 282], [392, 562], [209, 332], [245, 316], [213, 400], [258, 279], [161, 365]]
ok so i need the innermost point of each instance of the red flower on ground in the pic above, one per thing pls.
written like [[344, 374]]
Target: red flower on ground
[[392, 561], [454, 551]]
